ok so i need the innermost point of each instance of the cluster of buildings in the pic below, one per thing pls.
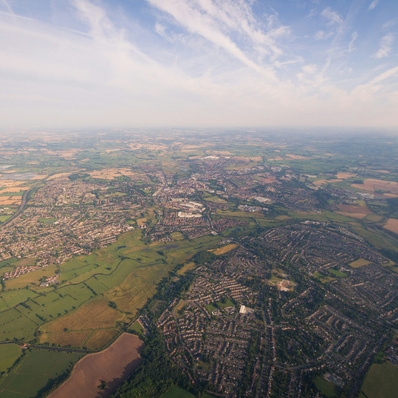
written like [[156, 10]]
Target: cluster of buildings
[[236, 333]]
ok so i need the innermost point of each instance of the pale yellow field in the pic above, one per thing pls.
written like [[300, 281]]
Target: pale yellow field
[[359, 263], [12, 200], [110, 174], [187, 267], [58, 175], [94, 315], [224, 249], [296, 156], [14, 189], [11, 183], [63, 338], [31, 277], [344, 176]]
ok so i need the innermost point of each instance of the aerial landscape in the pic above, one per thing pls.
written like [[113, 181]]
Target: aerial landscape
[[194, 204]]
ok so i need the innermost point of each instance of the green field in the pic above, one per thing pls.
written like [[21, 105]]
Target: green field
[[381, 381], [177, 392], [125, 273], [27, 378], [9, 353], [325, 387]]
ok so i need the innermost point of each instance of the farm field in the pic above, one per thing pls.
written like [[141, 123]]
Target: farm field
[[373, 185], [109, 367], [177, 392], [381, 381], [124, 274], [392, 225], [9, 353], [359, 263], [26, 379]]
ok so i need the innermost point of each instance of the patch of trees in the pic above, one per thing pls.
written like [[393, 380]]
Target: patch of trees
[[156, 375], [203, 257]]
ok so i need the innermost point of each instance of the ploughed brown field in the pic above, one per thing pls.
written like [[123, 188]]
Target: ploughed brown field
[[374, 185], [111, 365]]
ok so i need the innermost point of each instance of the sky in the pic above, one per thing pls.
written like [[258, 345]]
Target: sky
[[198, 63]]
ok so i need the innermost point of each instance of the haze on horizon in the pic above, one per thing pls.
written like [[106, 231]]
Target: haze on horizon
[[195, 63]]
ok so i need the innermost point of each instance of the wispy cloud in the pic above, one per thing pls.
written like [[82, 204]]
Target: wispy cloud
[[373, 4], [333, 17], [6, 6], [354, 37], [385, 46], [221, 22], [206, 62]]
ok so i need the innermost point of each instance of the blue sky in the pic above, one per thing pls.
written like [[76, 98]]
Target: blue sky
[[198, 63]]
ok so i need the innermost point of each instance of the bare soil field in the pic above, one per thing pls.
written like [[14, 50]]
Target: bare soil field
[[392, 225], [343, 176], [291, 156], [111, 366], [111, 174], [358, 216], [39, 177], [378, 185], [323, 181], [354, 209], [14, 189]]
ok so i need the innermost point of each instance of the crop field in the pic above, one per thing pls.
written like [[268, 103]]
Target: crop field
[[381, 381], [76, 328], [177, 392], [392, 225], [9, 353], [111, 365], [27, 379], [31, 279], [224, 249], [373, 185], [359, 263], [187, 267], [110, 285]]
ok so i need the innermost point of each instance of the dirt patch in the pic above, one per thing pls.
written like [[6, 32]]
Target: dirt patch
[[344, 176], [358, 216], [323, 181], [354, 209], [374, 185], [111, 366], [392, 225], [289, 155]]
